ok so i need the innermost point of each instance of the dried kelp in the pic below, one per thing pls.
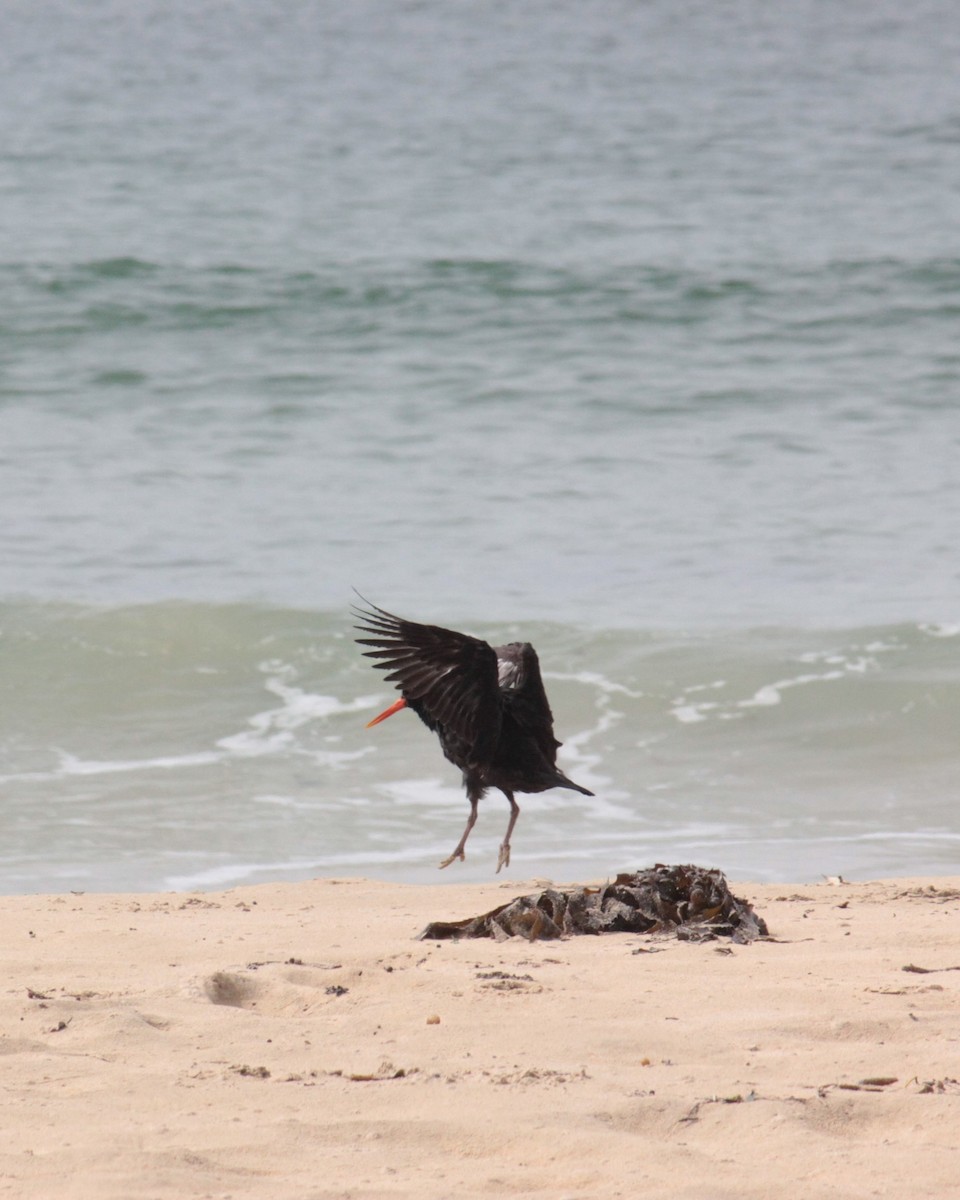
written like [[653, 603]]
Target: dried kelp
[[693, 903]]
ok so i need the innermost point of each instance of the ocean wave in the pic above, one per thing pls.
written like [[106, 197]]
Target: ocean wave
[[192, 728], [101, 294]]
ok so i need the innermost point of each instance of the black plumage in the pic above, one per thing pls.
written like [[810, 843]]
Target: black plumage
[[486, 704]]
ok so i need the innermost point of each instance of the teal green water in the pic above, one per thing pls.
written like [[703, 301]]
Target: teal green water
[[190, 745], [628, 328]]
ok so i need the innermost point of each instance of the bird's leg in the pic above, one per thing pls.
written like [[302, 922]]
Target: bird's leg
[[471, 821], [504, 858]]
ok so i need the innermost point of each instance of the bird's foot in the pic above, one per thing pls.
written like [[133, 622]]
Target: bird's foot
[[458, 853], [503, 859]]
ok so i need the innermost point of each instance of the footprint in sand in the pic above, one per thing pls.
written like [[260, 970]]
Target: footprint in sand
[[277, 989]]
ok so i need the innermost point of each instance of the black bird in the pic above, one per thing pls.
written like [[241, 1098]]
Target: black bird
[[486, 704]]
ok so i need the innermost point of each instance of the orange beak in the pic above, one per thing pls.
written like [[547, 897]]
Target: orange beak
[[388, 712]]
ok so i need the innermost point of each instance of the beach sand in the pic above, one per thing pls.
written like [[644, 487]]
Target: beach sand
[[296, 1040]]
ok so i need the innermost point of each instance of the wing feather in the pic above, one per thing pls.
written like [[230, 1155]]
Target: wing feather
[[525, 697], [450, 676]]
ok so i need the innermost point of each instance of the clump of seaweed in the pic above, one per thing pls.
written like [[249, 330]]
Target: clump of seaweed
[[693, 903]]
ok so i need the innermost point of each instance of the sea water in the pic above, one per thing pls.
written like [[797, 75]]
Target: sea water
[[626, 329]]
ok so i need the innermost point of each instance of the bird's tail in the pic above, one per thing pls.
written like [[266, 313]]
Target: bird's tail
[[564, 782]]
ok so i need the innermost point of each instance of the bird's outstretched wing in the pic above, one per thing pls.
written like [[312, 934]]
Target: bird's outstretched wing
[[524, 695], [448, 678]]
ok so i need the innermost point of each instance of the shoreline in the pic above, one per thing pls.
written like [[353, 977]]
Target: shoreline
[[297, 1039]]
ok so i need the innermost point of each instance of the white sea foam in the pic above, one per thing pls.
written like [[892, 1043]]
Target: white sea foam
[[769, 695], [690, 714], [575, 756], [253, 871], [232, 873], [270, 732], [421, 793], [772, 693], [273, 731], [70, 764], [593, 679]]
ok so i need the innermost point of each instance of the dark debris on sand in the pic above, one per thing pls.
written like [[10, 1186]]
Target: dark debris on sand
[[693, 903]]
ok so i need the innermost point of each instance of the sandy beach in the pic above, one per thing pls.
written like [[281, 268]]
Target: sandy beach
[[297, 1040]]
